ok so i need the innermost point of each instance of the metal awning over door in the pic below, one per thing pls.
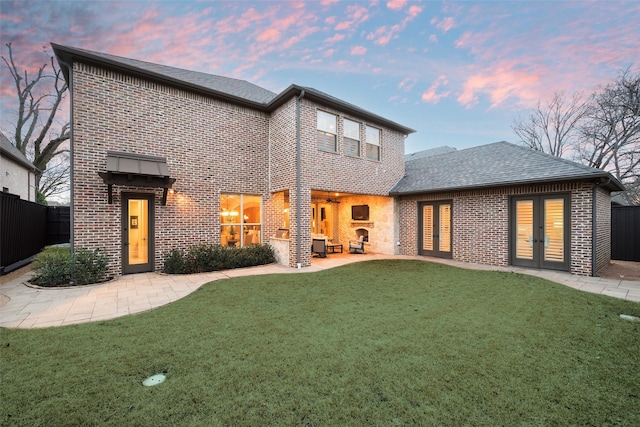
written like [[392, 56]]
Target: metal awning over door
[[136, 170]]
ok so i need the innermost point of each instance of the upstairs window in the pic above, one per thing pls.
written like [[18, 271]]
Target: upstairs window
[[373, 143], [351, 134], [327, 133]]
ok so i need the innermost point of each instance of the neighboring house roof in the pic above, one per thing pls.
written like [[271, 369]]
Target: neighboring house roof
[[11, 151], [492, 165], [428, 153], [233, 90]]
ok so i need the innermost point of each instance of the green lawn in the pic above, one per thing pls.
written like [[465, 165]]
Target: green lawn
[[376, 343]]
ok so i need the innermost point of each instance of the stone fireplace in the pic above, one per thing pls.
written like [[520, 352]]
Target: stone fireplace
[[362, 232]]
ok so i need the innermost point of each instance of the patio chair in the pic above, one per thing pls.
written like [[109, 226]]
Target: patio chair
[[319, 246], [357, 247]]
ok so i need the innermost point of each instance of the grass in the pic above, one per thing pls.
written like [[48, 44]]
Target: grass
[[378, 343]]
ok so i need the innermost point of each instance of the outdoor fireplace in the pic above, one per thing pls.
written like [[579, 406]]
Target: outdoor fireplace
[[362, 232]]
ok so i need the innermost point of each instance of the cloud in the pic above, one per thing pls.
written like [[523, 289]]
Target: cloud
[[396, 4], [445, 24], [384, 34], [335, 38], [407, 83], [358, 50], [356, 15], [503, 82], [431, 95]]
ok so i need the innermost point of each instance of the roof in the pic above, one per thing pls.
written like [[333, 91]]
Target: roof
[[232, 90], [492, 165], [428, 153], [11, 151], [128, 163]]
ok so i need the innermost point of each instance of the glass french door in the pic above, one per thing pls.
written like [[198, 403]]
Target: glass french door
[[137, 233], [435, 229], [540, 231]]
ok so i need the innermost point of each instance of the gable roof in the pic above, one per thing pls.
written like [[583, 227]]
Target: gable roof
[[492, 165], [232, 90], [11, 151], [226, 87]]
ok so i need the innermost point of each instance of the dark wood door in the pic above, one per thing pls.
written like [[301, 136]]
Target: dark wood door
[[540, 231], [435, 229], [137, 233]]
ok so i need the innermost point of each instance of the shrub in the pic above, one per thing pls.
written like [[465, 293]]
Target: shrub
[[88, 266], [208, 257], [174, 262], [52, 266], [56, 266]]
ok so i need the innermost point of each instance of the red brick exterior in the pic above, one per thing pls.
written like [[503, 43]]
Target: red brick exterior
[[211, 147], [481, 223], [215, 147]]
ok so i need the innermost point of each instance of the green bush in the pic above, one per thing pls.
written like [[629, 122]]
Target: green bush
[[206, 257], [52, 266], [174, 262], [56, 266], [88, 266]]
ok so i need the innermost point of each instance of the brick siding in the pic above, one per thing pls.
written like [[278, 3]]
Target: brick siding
[[211, 147], [481, 223]]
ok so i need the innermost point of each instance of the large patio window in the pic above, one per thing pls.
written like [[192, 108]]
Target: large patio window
[[327, 131], [351, 135], [240, 219], [373, 143]]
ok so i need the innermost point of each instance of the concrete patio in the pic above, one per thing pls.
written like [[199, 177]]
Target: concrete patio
[[22, 306]]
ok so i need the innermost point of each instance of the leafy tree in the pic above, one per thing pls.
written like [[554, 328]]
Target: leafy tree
[[37, 134]]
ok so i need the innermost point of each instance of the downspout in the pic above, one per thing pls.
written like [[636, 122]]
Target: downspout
[[298, 180], [594, 224]]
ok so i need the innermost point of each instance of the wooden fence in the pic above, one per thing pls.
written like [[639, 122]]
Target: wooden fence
[[625, 233], [26, 228]]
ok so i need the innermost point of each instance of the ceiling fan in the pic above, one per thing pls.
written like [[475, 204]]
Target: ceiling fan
[[330, 200]]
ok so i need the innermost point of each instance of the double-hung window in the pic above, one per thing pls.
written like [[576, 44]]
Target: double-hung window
[[240, 222], [351, 134], [327, 131], [373, 143]]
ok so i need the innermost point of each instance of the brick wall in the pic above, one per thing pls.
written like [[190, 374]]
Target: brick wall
[[603, 228], [329, 171], [210, 146], [481, 223]]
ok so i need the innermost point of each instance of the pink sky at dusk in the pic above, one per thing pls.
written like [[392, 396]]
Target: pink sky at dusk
[[457, 72]]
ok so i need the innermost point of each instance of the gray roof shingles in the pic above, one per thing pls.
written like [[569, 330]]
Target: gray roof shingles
[[12, 151], [491, 165], [235, 89]]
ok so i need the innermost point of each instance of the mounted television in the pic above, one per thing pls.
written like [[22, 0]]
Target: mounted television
[[360, 213]]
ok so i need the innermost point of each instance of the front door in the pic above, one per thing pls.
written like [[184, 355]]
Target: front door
[[540, 232], [435, 229], [137, 233]]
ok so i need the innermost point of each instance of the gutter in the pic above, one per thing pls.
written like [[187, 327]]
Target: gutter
[[65, 64], [298, 180]]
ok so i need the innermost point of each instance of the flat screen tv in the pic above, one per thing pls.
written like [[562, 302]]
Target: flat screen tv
[[360, 213]]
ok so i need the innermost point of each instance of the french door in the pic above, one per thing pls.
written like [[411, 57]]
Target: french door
[[435, 229], [137, 232], [539, 231]]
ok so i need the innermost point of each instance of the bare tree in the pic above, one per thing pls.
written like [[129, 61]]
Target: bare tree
[[602, 131], [553, 127], [611, 135], [36, 134]]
